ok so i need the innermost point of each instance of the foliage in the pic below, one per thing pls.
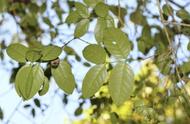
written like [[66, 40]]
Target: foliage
[[145, 97]]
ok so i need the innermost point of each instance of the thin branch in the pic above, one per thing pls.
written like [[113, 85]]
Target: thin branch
[[14, 111], [176, 23], [176, 4], [66, 43], [162, 20], [84, 41]]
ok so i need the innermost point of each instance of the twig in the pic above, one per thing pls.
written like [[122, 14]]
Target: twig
[[162, 20], [66, 43], [84, 41], [14, 111], [176, 23]]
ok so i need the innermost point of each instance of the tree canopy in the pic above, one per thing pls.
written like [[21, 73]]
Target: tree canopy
[[133, 57]]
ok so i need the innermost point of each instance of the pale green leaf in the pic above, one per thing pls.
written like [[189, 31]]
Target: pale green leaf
[[92, 3], [17, 52], [45, 87], [73, 17], [81, 28], [28, 81], [82, 10], [95, 54], [121, 83], [101, 25], [117, 42], [33, 55], [50, 53], [64, 77], [101, 9], [93, 80]]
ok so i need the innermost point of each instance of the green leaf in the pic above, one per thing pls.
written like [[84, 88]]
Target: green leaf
[[78, 111], [188, 46], [183, 14], [32, 55], [138, 18], [3, 5], [185, 68], [92, 3], [28, 81], [1, 114], [101, 9], [73, 17], [121, 83], [167, 10], [117, 42], [45, 87], [95, 54], [164, 62], [37, 102], [64, 77], [17, 52], [102, 24], [81, 28], [82, 10], [93, 80], [35, 45], [50, 53]]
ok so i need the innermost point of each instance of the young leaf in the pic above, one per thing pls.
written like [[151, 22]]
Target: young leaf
[[117, 42], [82, 10], [101, 9], [64, 77], [73, 17], [121, 83], [28, 81], [92, 3], [81, 28], [45, 87], [50, 53], [17, 52], [93, 80], [95, 54]]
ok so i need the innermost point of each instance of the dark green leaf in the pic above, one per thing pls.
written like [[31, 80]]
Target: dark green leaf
[[37, 102]]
